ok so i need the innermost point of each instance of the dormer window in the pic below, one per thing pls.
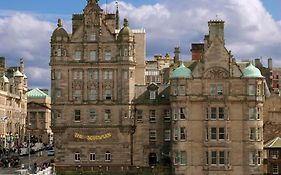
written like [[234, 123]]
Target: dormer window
[[152, 89]]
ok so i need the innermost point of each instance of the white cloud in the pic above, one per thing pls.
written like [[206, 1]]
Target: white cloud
[[250, 31]]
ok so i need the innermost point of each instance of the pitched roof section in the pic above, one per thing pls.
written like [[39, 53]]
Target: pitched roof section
[[274, 143], [36, 93]]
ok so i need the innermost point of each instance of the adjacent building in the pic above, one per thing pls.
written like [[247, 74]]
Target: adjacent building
[[272, 160], [38, 119], [13, 104], [112, 111]]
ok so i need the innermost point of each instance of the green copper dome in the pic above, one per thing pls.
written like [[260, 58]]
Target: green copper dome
[[252, 71], [181, 72]]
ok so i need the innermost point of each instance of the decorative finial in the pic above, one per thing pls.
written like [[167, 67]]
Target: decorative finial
[[126, 24], [117, 15], [59, 23]]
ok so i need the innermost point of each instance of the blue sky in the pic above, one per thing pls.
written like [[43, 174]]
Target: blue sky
[[252, 28]]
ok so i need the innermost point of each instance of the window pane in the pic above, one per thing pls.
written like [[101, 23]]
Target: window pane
[[78, 55], [213, 157], [221, 157], [93, 115], [107, 56], [77, 115], [221, 113], [221, 133], [152, 135], [107, 116], [213, 133], [182, 113], [139, 115], [213, 113], [93, 55], [251, 89], [182, 133], [152, 116], [167, 135]]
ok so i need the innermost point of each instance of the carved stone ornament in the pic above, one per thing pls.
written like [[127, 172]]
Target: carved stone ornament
[[216, 73]]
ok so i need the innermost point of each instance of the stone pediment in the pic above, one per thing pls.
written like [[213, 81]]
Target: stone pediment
[[34, 105], [216, 73]]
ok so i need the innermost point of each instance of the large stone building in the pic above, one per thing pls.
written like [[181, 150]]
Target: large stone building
[[38, 120], [206, 119], [13, 104]]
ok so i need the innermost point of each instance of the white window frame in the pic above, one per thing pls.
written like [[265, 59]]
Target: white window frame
[[214, 157], [252, 158], [78, 75], [92, 156], [93, 36], [152, 135], [77, 156], [107, 115], [77, 116], [107, 156], [107, 56], [167, 135], [93, 55], [139, 115], [77, 94], [107, 75], [182, 133], [152, 115], [182, 113], [78, 55], [221, 157], [152, 95], [275, 168], [252, 134], [167, 115], [252, 113]]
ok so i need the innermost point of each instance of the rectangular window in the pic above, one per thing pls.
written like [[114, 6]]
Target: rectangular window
[[107, 156], [182, 113], [221, 157], [216, 89], [252, 158], [125, 75], [78, 75], [107, 116], [275, 169], [252, 113], [221, 113], [139, 115], [107, 56], [214, 133], [58, 93], [221, 133], [107, 94], [258, 112], [152, 116], [93, 115], [77, 55], [77, 94], [93, 36], [108, 75], [213, 157], [93, 55], [182, 133], [152, 95], [152, 135], [77, 156], [252, 134], [182, 158], [213, 113], [93, 94], [93, 74], [167, 135], [251, 89], [92, 156], [181, 90], [57, 74], [77, 115], [167, 117], [274, 153]]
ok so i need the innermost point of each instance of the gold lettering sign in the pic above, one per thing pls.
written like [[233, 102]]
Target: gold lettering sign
[[92, 137]]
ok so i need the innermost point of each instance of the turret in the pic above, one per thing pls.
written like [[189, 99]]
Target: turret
[[177, 55]]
